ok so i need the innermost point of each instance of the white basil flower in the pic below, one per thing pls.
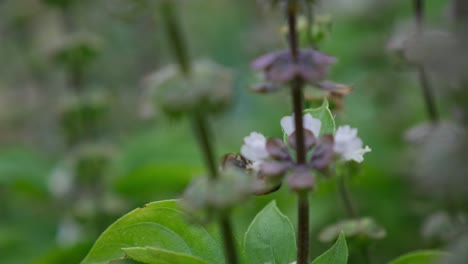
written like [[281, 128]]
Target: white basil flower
[[349, 145], [310, 123], [254, 147]]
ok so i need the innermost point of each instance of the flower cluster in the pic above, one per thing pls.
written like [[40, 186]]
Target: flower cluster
[[281, 67], [310, 66], [271, 159], [207, 90], [205, 197]]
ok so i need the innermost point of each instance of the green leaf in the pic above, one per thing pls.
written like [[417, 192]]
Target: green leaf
[[338, 254], [159, 225], [151, 255], [325, 115], [270, 238], [420, 257]]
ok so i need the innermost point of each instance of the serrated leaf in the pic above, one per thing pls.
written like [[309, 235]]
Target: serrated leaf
[[151, 255], [337, 254], [326, 117], [270, 238], [159, 225], [420, 257]]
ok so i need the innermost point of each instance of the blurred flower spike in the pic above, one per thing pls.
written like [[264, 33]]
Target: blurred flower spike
[[270, 159], [281, 67], [205, 197], [76, 50], [208, 89]]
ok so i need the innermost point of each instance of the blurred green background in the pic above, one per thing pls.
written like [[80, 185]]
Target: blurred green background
[[60, 186]]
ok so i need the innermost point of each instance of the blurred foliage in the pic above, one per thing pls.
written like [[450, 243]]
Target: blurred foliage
[[154, 158]]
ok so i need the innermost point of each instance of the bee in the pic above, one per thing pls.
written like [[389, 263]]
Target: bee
[[234, 160]]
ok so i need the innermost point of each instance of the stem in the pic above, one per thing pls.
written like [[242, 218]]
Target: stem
[[428, 94], [203, 137], [366, 254], [461, 14], [292, 23], [201, 131], [175, 36], [200, 125], [228, 240], [346, 197], [297, 98], [303, 229], [422, 74], [296, 93], [418, 6], [352, 211]]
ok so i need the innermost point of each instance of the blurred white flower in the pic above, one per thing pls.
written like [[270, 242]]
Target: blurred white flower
[[60, 183], [310, 123], [254, 147], [68, 232], [349, 145]]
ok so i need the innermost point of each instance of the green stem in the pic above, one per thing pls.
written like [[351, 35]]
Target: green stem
[[346, 198], [200, 125], [175, 35], [352, 211], [203, 137], [427, 90]]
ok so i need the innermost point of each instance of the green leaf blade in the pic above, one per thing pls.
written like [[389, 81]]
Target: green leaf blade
[[151, 255], [158, 225], [420, 257], [337, 254], [270, 238], [326, 117]]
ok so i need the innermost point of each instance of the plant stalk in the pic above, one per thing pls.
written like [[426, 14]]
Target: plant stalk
[[203, 137], [298, 104], [175, 36], [200, 124], [426, 87], [346, 197], [352, 211]]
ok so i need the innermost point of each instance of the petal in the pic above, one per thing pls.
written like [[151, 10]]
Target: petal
[[273, 169], [287, 123], [301, 179], [309, 122], [349, 145], [312, 124], [358, 155], [277, 149], [309, 138], [323, 153], [321, 58], [264, 61], [254, 148]]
